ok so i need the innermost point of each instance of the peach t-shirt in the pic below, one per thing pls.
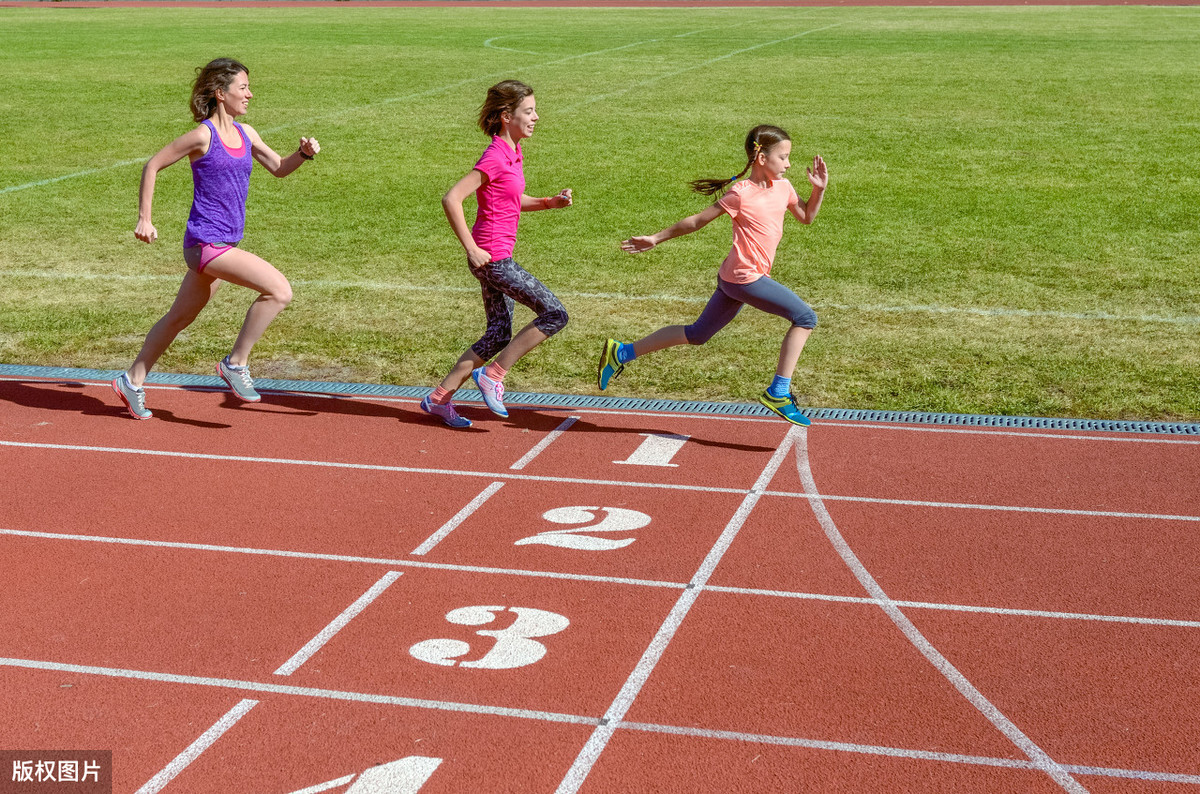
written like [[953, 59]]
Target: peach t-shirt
[[757, 214]]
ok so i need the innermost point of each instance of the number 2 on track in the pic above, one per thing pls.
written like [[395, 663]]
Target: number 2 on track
[[616, 519]]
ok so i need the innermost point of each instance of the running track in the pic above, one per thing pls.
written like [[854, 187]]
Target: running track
[[338, 594]]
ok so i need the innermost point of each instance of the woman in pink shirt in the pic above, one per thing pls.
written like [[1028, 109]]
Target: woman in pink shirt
[[757, 206], [498, 182]]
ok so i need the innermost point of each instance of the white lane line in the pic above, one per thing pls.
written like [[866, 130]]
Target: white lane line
[[1040, 757], [577, 577], [302, 691], [869, 308], [168, 773], [337, 624], [987, 431], [600, 737], [1056, 511], [900, 752], [701, 65], [545, 442], [459, 517]]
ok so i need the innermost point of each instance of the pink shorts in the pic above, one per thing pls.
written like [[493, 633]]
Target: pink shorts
[[210, 251]]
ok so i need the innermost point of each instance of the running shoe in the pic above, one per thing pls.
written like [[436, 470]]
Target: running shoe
[[445, 411], [239, 380], [785, 407], [133, 397], [609, 367], [492, 391]]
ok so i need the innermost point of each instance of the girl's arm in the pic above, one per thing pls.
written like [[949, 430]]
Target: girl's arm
[[452, 205], [194, 143], [276, 165], [818, 176], [531, 204], [636, 245]]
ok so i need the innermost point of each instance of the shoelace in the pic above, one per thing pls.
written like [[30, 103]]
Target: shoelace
[[499, 390], [244, 375], [140, 396]]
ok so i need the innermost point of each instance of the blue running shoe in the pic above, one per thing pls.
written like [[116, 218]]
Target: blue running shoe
[[610, 367], [445, 411], [785, 407], [492, 391]]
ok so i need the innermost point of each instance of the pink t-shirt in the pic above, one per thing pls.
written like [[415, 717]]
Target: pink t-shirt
[[495, 229], [757, 214]]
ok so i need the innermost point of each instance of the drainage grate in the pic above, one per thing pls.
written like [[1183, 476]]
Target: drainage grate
[[628, 403]]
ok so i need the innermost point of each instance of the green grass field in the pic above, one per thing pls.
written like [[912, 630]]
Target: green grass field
[[1010, 228]]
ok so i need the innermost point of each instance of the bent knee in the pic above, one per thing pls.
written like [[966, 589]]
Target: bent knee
[[553, 321], [696, 335], [806, 319]]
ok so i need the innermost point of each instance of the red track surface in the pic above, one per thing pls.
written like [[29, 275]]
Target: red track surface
[[1042, 595]]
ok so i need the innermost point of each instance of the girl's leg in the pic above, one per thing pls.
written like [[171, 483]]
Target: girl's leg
[[247, 270], [789, 353], [520, 285], [194, 294]]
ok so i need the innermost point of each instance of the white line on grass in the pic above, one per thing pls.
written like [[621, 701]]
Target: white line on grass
[[600, 737], [337, 624], [459, 517], [156, 783], [1036, 754], [383, 286], [577, 577]]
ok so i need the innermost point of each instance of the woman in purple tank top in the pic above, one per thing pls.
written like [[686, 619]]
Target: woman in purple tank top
[[222, 154]]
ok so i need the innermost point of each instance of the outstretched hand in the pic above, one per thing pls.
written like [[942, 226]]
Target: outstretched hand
[[636, 245], [818, 174]]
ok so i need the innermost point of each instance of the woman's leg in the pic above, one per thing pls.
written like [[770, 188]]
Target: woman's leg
[[247, 270], [194, 294]]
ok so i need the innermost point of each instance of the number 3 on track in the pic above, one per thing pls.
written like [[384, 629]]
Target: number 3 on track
[[514, 645], [616, 519]]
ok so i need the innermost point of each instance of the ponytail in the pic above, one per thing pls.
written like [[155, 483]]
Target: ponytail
[[760, 139]]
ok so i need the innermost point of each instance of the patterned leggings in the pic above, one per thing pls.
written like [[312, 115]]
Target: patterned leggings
[[504, 282]]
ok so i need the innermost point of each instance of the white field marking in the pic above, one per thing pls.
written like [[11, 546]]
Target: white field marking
[[1036, 754], [488, 43], [576, 577], [168, 773], [337, 624], [304, 555], [583, 481], [384, 286], [656, 450], [302, 691], [899, 752], [528, 457], [600, 737], [317, 789], [700, 65], [338, 114], [459, 517], [404, 776], [1056, 511], [30, 664]]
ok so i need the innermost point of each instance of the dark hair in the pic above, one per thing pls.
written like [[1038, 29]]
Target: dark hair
[[503, 97], [216, 76], [760, 139]]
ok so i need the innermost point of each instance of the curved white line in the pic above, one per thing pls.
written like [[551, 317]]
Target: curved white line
[[1036, 754], [488, 43]]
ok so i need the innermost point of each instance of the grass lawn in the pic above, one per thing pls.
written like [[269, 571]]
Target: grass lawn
[[1010, 226]]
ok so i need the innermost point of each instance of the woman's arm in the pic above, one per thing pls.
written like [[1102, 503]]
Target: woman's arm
[[636, 245], [276, 165], [531, 204], [452, 205], [194, 143]]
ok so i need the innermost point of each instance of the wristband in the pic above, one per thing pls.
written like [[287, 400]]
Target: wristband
[[302, 154], [546, 203]]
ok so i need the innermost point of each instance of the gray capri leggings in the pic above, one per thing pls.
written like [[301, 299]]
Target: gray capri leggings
[[504, 282], [765, 293]]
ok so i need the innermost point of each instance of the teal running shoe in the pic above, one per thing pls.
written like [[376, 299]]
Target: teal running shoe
[[785, 407], [133, 397], [609, 367]]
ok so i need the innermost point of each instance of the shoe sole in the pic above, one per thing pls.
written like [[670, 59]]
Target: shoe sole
[[128, 407], [256, 398]]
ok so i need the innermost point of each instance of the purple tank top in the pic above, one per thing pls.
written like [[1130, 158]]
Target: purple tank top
[[220, 183]]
